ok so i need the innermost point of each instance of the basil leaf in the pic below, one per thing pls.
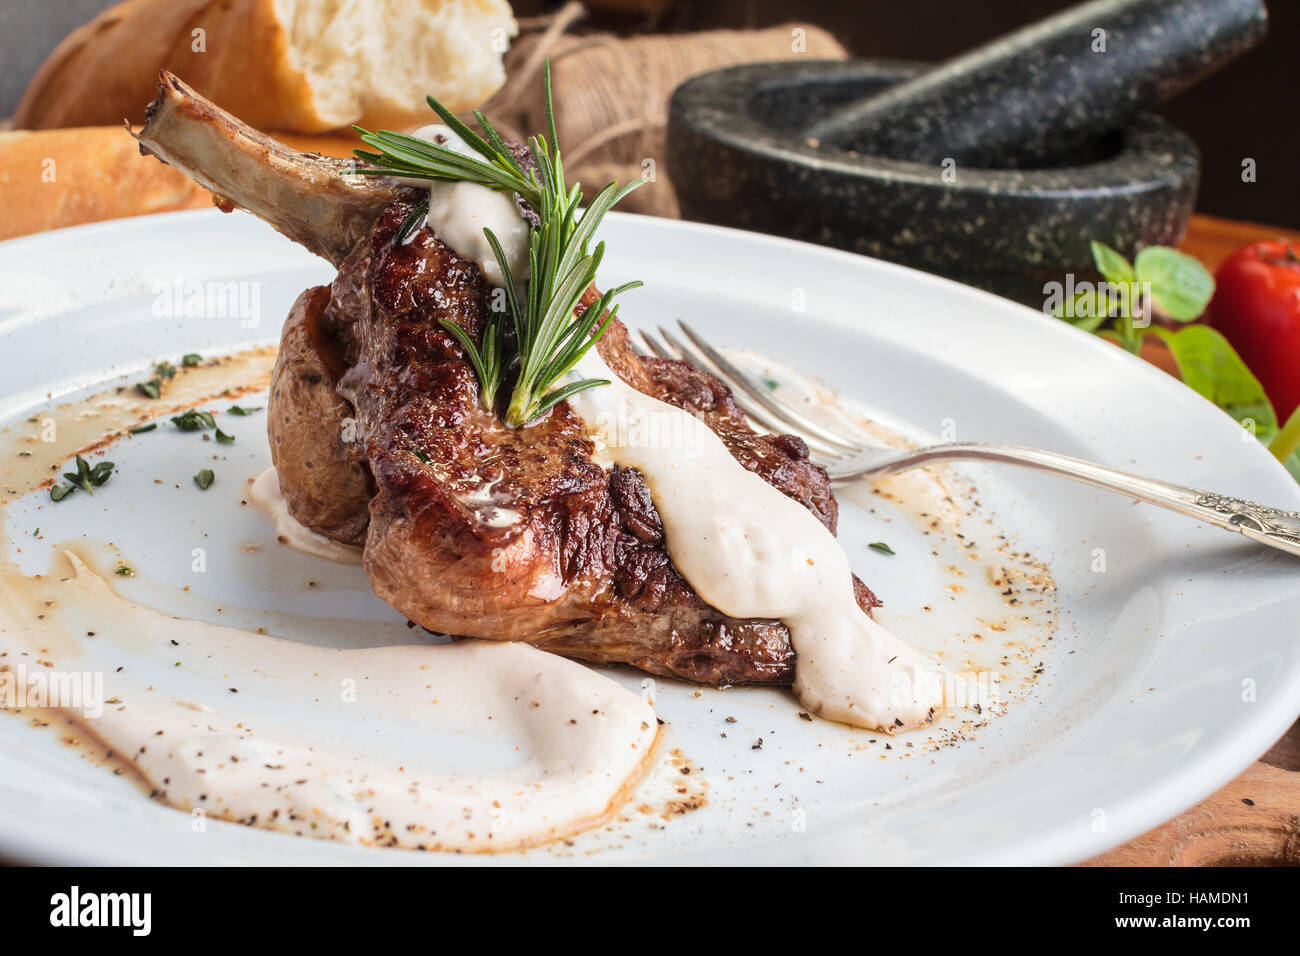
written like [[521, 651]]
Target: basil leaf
[[1180, 285], [59, 492], [1213, 368], [1088, 323], [191, 359], [1285, 444], [1085, 311], [204, 479], [1292, 465], [1114, 267], [881, 547]]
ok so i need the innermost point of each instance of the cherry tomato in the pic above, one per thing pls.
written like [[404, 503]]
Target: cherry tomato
[[1256, 306]]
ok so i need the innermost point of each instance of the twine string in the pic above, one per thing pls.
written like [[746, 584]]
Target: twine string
[[611, 94]]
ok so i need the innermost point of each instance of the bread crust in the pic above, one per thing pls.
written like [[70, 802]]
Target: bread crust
[[54, 178], [105, 70], [67, 177]]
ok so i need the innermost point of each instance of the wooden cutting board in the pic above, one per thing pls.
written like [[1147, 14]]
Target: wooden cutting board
[[1255, 820]]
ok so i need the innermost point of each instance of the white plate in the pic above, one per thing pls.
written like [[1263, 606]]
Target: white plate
[[1172, 670]]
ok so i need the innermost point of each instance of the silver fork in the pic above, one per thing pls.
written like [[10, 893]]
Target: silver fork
[[846, 459]]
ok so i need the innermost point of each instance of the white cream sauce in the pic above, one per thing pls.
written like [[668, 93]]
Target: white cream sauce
[[268, 689], [291, 737], [746, 548], [750, 551], [459, 212], [471, 746], [983, 607], [264, 493]]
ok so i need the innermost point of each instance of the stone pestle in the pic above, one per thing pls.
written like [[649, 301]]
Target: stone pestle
[[1035, 96]]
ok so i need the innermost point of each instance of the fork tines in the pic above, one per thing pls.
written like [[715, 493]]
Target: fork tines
[[763, 408]]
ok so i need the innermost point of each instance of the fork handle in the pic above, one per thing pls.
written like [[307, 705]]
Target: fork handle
[[1270, 526]]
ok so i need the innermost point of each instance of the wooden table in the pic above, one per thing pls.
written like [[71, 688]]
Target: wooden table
[[1255, 820]]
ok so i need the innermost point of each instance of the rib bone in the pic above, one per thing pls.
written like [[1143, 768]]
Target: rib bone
[[314, 200]]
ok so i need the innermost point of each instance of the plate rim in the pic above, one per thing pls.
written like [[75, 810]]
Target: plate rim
[[1145, 807]]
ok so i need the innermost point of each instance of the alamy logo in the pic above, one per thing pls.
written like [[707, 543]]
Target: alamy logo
[[43, 687], [1083, 300], [188, 298], [74, 908]]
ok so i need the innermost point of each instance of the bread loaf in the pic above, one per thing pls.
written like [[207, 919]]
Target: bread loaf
[[66, 177], [301, 65]]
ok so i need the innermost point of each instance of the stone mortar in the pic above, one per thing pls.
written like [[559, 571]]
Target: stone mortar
[[737, 157]]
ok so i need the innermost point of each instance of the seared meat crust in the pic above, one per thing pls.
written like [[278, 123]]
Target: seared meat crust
[[323, 477]]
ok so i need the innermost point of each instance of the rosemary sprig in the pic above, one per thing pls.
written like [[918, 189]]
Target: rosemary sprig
[[550, 336]]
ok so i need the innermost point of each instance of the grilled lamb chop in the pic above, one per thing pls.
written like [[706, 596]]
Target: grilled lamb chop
[[470, 527]]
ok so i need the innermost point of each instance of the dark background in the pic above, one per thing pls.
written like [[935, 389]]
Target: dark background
[[1249, 109]]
